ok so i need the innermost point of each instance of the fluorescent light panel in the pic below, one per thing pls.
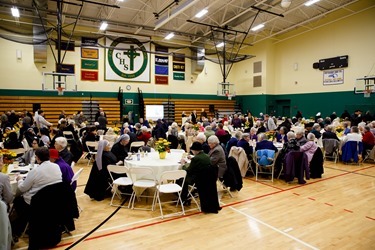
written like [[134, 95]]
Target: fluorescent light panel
[[258, 27], [311, 2], [103, 26], [220, 45], [201, 13], [169, 36], [15, 12]]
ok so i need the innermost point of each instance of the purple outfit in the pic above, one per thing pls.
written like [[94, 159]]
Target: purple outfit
[[66, 172], [309, 148]]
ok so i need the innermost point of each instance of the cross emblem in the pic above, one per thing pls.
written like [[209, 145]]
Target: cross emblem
[[132, 54]]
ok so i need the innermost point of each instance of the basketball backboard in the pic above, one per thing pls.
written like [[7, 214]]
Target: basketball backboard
[[226, 89], [59, 82], [365, 85]]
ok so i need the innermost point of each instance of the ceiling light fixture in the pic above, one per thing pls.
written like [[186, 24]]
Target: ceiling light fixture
[[169, 36], [15, 12], [103, 26], [220, 45], [201, 13], [311, 2], [285, 3], [258, 27]]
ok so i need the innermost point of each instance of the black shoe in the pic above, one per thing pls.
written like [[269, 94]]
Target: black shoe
[[187, 203]]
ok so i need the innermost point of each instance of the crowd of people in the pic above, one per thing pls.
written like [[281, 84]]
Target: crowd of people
[[209, 139]]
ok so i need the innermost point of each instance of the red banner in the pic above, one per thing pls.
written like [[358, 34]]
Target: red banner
[[161, 79], [89, 75]]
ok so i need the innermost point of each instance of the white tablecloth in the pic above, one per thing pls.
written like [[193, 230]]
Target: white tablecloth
[[152, 160], [12, 176]]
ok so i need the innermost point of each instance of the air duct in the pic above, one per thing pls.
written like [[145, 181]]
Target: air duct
[[39, 34], [197, 64]]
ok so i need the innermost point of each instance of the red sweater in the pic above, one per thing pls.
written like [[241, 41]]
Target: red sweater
[[368, 138]]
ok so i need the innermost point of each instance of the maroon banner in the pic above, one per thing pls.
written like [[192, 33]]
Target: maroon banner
[[161, 79], [89, 75]]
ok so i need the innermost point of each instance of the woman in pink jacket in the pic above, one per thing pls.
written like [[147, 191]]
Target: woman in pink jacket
[[309, 147]]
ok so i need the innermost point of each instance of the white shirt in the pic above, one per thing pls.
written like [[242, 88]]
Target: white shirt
[[45, 174], [41, 122], [352, 137]]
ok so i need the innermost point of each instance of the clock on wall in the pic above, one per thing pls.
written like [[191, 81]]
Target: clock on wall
[[128, 87]]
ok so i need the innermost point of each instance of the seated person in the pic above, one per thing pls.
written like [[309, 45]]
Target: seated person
[[201, 138], [97, 184], [264, 143], [145, 135], [234, 140], [66, 170], [217, 155], [29, 155], [253, 134], [244, 143], [203, 175], [260, 127], [309, 147], [47, 173], [290, 145], [300, 137], [281, 135], [119, 149], [61, 144], [12, 141], [368, 140], [329, 133], [45, 139], [110, 135], [316, 130], [354, 135]]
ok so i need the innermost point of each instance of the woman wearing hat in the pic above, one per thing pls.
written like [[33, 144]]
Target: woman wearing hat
[[204, 176], [119, 149]]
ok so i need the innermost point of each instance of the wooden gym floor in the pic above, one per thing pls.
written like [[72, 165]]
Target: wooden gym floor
[[335, 212]]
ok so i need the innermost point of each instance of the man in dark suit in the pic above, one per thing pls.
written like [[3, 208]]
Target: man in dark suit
[[193, 117], [264, 143]]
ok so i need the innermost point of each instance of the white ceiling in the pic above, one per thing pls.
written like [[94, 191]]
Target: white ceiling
[[138, 17]]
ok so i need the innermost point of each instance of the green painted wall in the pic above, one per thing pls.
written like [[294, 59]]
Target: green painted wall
[[309, 104]]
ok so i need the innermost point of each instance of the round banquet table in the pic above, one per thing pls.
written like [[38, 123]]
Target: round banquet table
[[152, 160]]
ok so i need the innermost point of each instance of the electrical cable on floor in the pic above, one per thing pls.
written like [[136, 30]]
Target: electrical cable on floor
[[98, 226]]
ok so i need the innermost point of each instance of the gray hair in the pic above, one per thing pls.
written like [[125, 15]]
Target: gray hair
[[310, 136], [300, 132], [291, 135], [201, 137], [262, 136], [245, 135], [238, 134], [208, 128], [61, 141], [213, 139]]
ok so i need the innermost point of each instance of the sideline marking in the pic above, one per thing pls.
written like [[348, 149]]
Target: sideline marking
[[231, 204], [275, 229]]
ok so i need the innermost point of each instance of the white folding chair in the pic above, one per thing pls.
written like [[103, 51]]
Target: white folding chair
[[264, 169], [121, 181], [143, 178], [167, 185], [74, 179], [92, 146], [225, 188], [73, 164], [192, 195], [68, 135], [135, 145]]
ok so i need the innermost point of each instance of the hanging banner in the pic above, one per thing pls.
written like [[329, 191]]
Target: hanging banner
[[178, 76], [89, 64], [178, 57], [161, 79], [87, 75], [127, 59], [179, 67], [331, 77], [161, 70], [89, 42]]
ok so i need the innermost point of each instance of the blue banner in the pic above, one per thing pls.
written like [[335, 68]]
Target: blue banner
[[161, 70]]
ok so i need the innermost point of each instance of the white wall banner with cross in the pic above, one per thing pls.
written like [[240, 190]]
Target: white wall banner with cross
[[127, 59]]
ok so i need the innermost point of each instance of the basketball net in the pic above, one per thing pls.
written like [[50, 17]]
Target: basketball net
[[60, 91], [367, 93]]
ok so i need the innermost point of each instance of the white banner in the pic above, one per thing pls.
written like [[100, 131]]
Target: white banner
[[331, 77], [127, 59]]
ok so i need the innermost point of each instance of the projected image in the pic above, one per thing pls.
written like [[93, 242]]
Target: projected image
[[154, 112]]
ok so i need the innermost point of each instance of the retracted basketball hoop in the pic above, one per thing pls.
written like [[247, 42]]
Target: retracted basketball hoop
[[60, 91], [367, 93]]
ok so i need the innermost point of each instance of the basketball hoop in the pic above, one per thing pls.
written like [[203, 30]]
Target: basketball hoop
[[367, 93], [60, 91]]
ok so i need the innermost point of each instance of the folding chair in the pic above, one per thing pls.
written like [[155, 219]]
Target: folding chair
[[69, 136], [192, 195], [92, 146], [135, 145], [74, 179], [168, 185], [143, 178], [264, 168], [331, 149], [121, 181]]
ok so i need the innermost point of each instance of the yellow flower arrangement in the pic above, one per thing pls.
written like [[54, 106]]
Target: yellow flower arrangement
[[116, 130], [162, 145], [270, 135], [8, 156]]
